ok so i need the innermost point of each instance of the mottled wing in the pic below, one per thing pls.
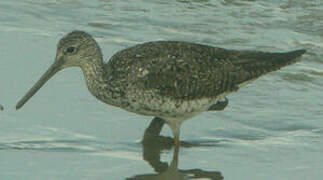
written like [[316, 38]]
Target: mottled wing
[[182, 70], [189, 77]]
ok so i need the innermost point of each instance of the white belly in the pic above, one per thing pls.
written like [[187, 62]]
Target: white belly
[[168, 108]]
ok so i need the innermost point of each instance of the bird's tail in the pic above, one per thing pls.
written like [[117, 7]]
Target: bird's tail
[[259, 63]]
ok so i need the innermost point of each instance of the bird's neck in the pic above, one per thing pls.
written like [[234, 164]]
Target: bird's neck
[[99, 84]]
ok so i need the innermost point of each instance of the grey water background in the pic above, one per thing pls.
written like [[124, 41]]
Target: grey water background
[[271, 129]]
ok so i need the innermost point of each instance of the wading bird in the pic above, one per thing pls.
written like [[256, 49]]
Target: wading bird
[[171, 80]]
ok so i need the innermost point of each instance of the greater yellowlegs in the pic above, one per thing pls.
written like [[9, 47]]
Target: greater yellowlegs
[[171, 80]]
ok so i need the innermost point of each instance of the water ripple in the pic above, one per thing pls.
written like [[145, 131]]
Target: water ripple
[[80, 146]]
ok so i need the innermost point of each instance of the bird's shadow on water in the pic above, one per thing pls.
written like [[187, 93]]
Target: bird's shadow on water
[[153, 144], [152, 149]]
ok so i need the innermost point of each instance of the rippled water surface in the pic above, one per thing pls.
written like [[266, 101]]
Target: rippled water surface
[[271, 129]]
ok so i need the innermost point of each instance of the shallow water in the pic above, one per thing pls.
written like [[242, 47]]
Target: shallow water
[[271, 129]]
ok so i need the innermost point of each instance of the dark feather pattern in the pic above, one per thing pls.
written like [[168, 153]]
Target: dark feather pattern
[[182, 70]]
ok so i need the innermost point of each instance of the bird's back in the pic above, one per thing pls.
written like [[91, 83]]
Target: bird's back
[[182, 70]]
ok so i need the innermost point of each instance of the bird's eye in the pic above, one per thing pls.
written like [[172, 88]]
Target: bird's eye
[[70, 49]]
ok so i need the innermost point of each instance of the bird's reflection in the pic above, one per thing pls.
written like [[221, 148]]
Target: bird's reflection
[[154, 144]]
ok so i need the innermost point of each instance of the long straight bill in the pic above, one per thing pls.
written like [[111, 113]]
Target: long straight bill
[[53, 69]]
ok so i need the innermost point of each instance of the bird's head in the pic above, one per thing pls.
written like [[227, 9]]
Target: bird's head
[[75, 49]]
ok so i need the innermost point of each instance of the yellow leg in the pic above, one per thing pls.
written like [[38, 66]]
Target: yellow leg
[[175, 156], [175, 127], [176, 141]]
